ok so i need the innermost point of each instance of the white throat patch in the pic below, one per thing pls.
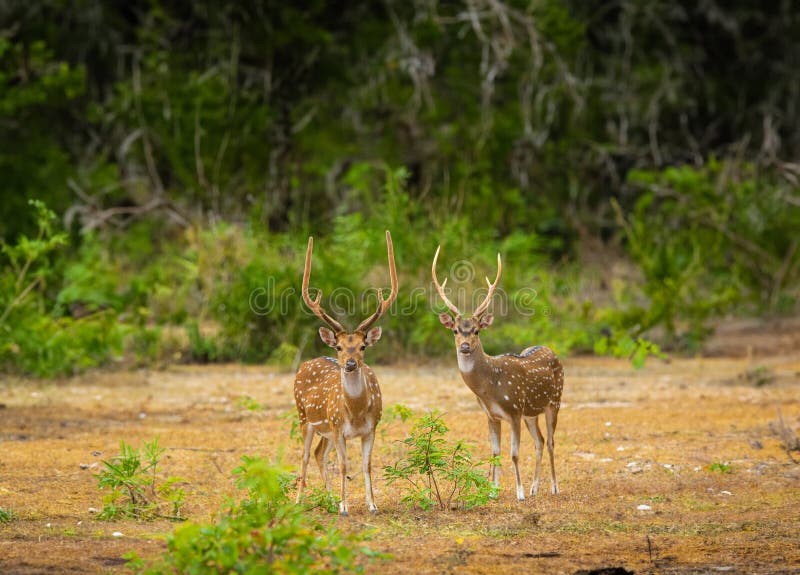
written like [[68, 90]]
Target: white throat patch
[[353, 383], [465, 362]]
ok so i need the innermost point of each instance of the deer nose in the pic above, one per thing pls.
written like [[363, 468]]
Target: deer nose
[[350, 365], [464, 348]]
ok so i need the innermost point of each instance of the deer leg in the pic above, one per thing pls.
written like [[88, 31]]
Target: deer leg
[[494, 438], [341, 452], [532, 424], [551, 418], [366, 456], [515, 428], [308, 438], [321, 455]]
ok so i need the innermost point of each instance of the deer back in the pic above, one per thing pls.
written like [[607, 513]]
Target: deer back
[[519, 383]]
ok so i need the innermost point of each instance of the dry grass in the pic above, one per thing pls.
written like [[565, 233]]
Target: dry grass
[[625, 438]]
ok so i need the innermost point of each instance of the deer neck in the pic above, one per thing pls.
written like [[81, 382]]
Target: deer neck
[[353, 383], [475, 369]]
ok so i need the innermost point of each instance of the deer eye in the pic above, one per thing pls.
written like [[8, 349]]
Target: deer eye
[[477, 331], [338, 348], [363, 347], [455, 331]]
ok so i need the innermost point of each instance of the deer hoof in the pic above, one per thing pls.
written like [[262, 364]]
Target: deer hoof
[[373, 510]]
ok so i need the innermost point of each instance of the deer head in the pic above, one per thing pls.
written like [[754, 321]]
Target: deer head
[[350, 346], [466, 328]]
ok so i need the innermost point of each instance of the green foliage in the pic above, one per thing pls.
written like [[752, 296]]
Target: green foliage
[[136, 489], [248, 403], [397, 411], [637, 350], [6, 515], [35, 337], [759, 375], [707, 242], [437, 473], [393, 414], [292, 421], [720, 467], [263, 532], [320, 498], [37, 91], [36, 341], [191, 150]]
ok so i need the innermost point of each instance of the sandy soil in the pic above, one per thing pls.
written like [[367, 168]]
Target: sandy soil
[[625, 438]]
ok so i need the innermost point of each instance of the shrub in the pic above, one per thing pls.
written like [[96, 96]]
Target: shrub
[[708, 240], [436, 473], [136, 489]]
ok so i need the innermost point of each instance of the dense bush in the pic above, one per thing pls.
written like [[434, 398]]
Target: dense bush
[[35, 337], [190, 149]]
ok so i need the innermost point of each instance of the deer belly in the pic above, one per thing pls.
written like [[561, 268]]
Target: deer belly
[[323, 428], [494, 410], [356, 428]]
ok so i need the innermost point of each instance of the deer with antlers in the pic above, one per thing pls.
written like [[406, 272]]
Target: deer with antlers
[[509, 387], [339, 398]]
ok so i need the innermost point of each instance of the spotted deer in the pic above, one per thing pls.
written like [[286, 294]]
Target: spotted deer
[[508, 387], [339, 398]]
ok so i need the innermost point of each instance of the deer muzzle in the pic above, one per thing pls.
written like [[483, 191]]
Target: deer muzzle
[[350, 365], [464, 348]]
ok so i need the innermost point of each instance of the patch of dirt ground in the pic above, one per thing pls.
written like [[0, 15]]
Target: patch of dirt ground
[[625, 438]]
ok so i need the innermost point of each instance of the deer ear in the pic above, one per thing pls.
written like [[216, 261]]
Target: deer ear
[[327, 336], [372, 336], [486, 320], [447, 320]]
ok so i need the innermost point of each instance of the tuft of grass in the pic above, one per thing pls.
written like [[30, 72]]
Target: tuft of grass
[[6, 515], [720, 467], [758, 376], [248, 403], [320, 498]]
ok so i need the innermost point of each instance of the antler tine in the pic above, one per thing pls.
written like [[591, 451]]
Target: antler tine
[[314, 305], [440, 288], [383, 304], [492, 286]]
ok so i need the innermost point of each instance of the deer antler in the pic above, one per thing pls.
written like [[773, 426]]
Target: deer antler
[[383, 304], [314, 305], [440, 288], [492, 286]]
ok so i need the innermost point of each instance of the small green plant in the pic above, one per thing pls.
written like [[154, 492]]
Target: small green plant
[[6, 515], [759, 376], [136, 490], [398, 411], [263, 533], [637, 350], [292, 421], [319, 498], [436, 473], [720, 467], [394, 413], [248, 403]]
